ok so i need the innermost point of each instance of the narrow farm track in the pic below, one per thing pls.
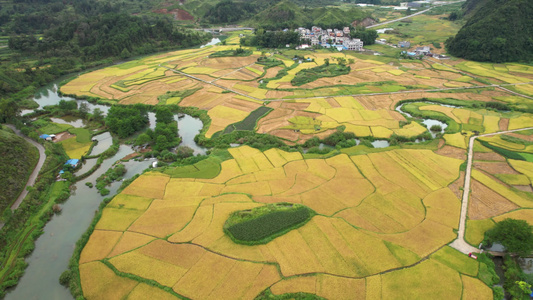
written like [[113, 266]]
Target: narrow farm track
[[460, 243]]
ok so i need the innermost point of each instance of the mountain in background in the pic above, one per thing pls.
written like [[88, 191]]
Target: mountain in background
[[495, 31]]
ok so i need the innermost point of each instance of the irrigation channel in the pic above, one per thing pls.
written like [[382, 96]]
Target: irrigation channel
[[54, 248]]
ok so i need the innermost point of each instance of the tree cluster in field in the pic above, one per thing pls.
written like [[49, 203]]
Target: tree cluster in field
[[368, 36], [496, 31], [262, 224], [165, 134], [235, 52], [108, 177], [327, 70], [271, 39], [125, 120], [515, 235]]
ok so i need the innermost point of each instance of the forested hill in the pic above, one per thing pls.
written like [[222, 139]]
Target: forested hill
[[17, 160], [496, 31], [49, 38]]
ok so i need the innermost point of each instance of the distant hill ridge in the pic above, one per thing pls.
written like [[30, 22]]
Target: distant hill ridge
[[496, 31]]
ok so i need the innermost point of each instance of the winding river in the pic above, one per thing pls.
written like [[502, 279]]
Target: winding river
[[54, 248]]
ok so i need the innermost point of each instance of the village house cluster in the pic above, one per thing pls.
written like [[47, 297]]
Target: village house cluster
[[328, 38]]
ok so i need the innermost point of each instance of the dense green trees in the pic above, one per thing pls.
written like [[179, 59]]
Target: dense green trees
[[271, 39], [515, 235], [368, 36], [228, 11], [126, 120], [497, 31], [50, 38], [16, 163]]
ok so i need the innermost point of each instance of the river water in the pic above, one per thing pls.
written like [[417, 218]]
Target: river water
[[55, 247]]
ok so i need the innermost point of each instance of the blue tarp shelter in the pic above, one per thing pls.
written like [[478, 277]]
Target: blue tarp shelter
[[72, 162], [44, 136]]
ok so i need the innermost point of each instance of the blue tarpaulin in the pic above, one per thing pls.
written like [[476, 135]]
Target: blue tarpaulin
[[44, 136], [72, 162]]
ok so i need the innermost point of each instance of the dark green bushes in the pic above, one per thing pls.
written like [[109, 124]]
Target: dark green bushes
[[312, 74], [262, 224], [236, 52], [250, 121]]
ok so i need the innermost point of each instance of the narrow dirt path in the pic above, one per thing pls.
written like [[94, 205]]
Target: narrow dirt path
[[36, 170], [460, 243]]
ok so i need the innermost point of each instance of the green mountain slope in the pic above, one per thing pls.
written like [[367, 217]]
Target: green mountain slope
[[17, 160], [496, 31], [287, 14]]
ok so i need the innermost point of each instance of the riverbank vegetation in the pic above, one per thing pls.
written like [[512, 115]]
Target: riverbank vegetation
[[22, 228]]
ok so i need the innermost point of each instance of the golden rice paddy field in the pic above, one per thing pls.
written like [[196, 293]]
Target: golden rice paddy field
[[229, 88], [378, 216]]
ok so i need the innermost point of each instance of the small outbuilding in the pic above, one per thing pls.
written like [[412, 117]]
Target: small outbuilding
[[72, 162], [45, 137]]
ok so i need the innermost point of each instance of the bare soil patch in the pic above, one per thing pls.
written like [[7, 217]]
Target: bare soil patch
[[491, 156], [457, 185], [452, 152], [494, 167], [504, 124], [485, 203], [524, 188], [63, 136]]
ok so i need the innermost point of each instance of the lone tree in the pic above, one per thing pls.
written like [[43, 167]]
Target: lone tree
[[515, 235]]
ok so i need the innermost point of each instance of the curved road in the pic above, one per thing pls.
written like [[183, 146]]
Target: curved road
[[36, 170], [460, 243]]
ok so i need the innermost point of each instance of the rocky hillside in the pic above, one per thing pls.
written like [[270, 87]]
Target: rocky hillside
[[496, 31]]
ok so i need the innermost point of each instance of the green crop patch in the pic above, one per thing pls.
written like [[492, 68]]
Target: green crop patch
[[312, 74], [262, 224], [237, 52], [250, 121], [207, 168]]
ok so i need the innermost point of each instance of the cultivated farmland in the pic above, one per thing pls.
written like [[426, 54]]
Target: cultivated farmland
[[376, 212], [379, 220]]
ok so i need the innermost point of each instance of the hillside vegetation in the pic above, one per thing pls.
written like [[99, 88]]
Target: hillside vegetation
[[496, 31], [17, 160], [287, 14]]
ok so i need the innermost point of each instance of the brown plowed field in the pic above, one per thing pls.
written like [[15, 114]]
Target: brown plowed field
[[488, 156], [494, 167], [453, 152], [504, 124], [486, 203]]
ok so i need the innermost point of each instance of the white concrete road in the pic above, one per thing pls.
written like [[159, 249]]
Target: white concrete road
[[460, 243]]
